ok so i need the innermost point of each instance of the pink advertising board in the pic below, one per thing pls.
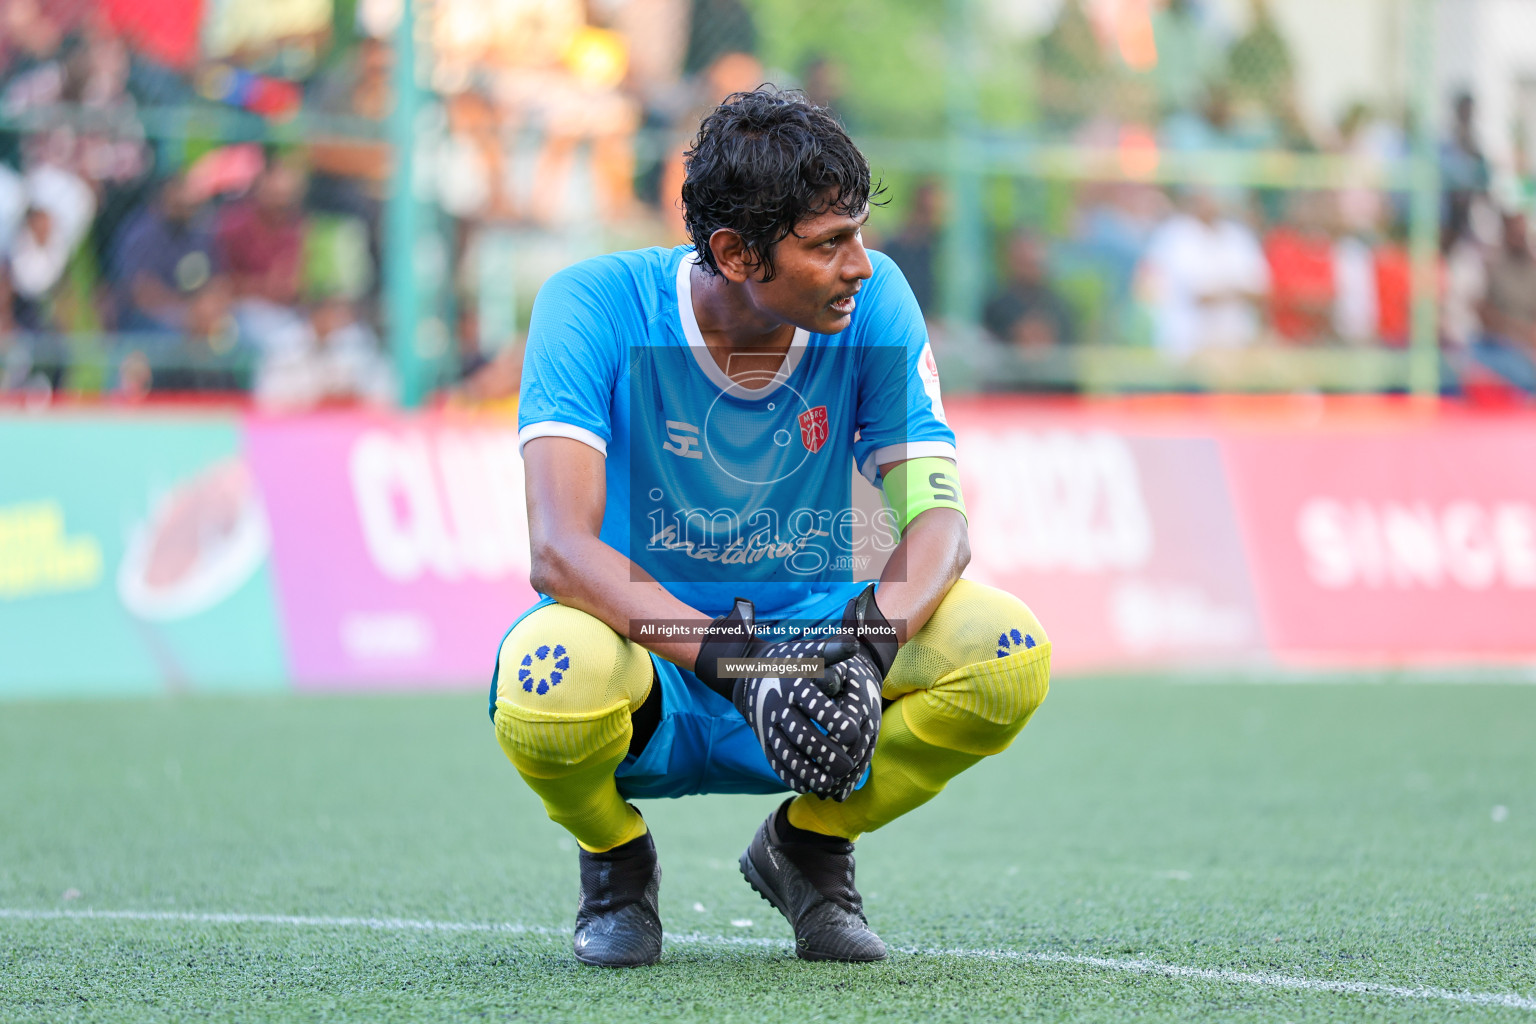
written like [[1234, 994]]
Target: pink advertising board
[[1411, 544], [400, 545]]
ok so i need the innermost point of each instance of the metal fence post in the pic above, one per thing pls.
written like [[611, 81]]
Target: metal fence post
[[1424, 215], [402, 234], [964, 237]]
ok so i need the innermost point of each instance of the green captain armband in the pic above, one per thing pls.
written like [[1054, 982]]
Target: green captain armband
[[917, 485]]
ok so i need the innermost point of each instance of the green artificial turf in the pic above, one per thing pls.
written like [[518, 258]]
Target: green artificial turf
[[1325, 832]]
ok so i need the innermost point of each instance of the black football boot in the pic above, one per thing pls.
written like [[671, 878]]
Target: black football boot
[[809, 878], [617, 922]]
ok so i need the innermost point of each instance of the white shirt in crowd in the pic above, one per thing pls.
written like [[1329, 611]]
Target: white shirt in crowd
[[1356, 316], [301, 370], [1187, 259], [38, 260]]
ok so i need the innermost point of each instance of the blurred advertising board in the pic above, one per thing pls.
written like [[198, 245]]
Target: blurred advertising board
[[134, 558], [1126, 544], [1416, 544], [156, 552], [400, 545], [1341, 533]]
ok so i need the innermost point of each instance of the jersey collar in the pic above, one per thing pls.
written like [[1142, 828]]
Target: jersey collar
[[695, 338]]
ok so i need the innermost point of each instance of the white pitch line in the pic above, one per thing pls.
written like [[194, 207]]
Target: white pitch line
[[400, 924], [382, 924]]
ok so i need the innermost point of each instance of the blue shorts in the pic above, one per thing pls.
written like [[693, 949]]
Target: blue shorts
[[702, 744]]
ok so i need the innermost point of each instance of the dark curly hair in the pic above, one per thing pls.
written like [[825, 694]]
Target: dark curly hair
[[763, 162]]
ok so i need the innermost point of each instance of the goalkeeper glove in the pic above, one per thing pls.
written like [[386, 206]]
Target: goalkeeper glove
[[818, 734]]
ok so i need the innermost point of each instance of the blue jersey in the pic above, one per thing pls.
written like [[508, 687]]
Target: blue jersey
[[717, 488]]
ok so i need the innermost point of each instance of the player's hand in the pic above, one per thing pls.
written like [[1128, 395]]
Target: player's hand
[[818, 734], [859, 661], [867, 626]]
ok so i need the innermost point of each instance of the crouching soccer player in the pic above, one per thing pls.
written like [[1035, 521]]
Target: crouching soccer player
[[690, 420]]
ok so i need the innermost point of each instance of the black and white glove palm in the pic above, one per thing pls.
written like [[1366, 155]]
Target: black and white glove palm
[[862, 658], [818, 734]]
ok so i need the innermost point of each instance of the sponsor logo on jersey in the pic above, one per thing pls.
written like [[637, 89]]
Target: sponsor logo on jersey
[[813, 428], [929, 369], [683, 439]]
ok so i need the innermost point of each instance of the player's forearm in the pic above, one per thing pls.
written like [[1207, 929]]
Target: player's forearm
[[934, 551], [583, 572]]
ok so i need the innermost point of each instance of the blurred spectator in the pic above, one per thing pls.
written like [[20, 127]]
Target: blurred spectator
[[57, 219], [584, 104], [1115, 224], [330, 358], [163, 36], [259, 242], [1072, 68], [1507, 345], [1206, 278], [913, 246], [349, 175], [1466, 283], [29, 365], [487, 381], [1213, 125], [1374, 143], [824, 84], [1260, 68], [1301, 268], [656, 44], [102, 143], [164, 266], [717, 28], [13, 205], [1187, 58], [32, 31], [473, 174], [1356, 281], [282, 37], [1463, 167], [566, 88], [1394, 291], [1026, 312], [730, 72], [15, 361], [475, 37]]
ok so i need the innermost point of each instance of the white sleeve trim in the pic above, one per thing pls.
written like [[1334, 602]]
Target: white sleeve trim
[[554, 428], [901, 452]]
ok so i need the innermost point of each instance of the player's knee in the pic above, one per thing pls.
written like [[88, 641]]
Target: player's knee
[[565, 686], [996, 624], [561, 661], [1001, 672], [975, 624]]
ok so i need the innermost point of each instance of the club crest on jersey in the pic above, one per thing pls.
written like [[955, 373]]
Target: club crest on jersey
[[813, 428]]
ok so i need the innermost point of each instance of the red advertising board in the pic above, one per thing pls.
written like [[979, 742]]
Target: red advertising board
[[1124, 544]]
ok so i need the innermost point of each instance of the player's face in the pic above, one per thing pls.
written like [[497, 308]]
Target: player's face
[[819, 268]]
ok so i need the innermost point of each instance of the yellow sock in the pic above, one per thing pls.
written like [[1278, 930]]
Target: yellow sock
[[929, 736], [569, 761], [566, 685]]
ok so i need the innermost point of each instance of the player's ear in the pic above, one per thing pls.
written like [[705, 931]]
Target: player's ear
[[732, 255]]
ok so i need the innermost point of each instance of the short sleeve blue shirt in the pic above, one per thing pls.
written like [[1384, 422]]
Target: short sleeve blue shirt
[[716, 489]]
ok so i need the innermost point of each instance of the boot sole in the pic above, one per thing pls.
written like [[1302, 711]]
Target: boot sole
[[617, 967]]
